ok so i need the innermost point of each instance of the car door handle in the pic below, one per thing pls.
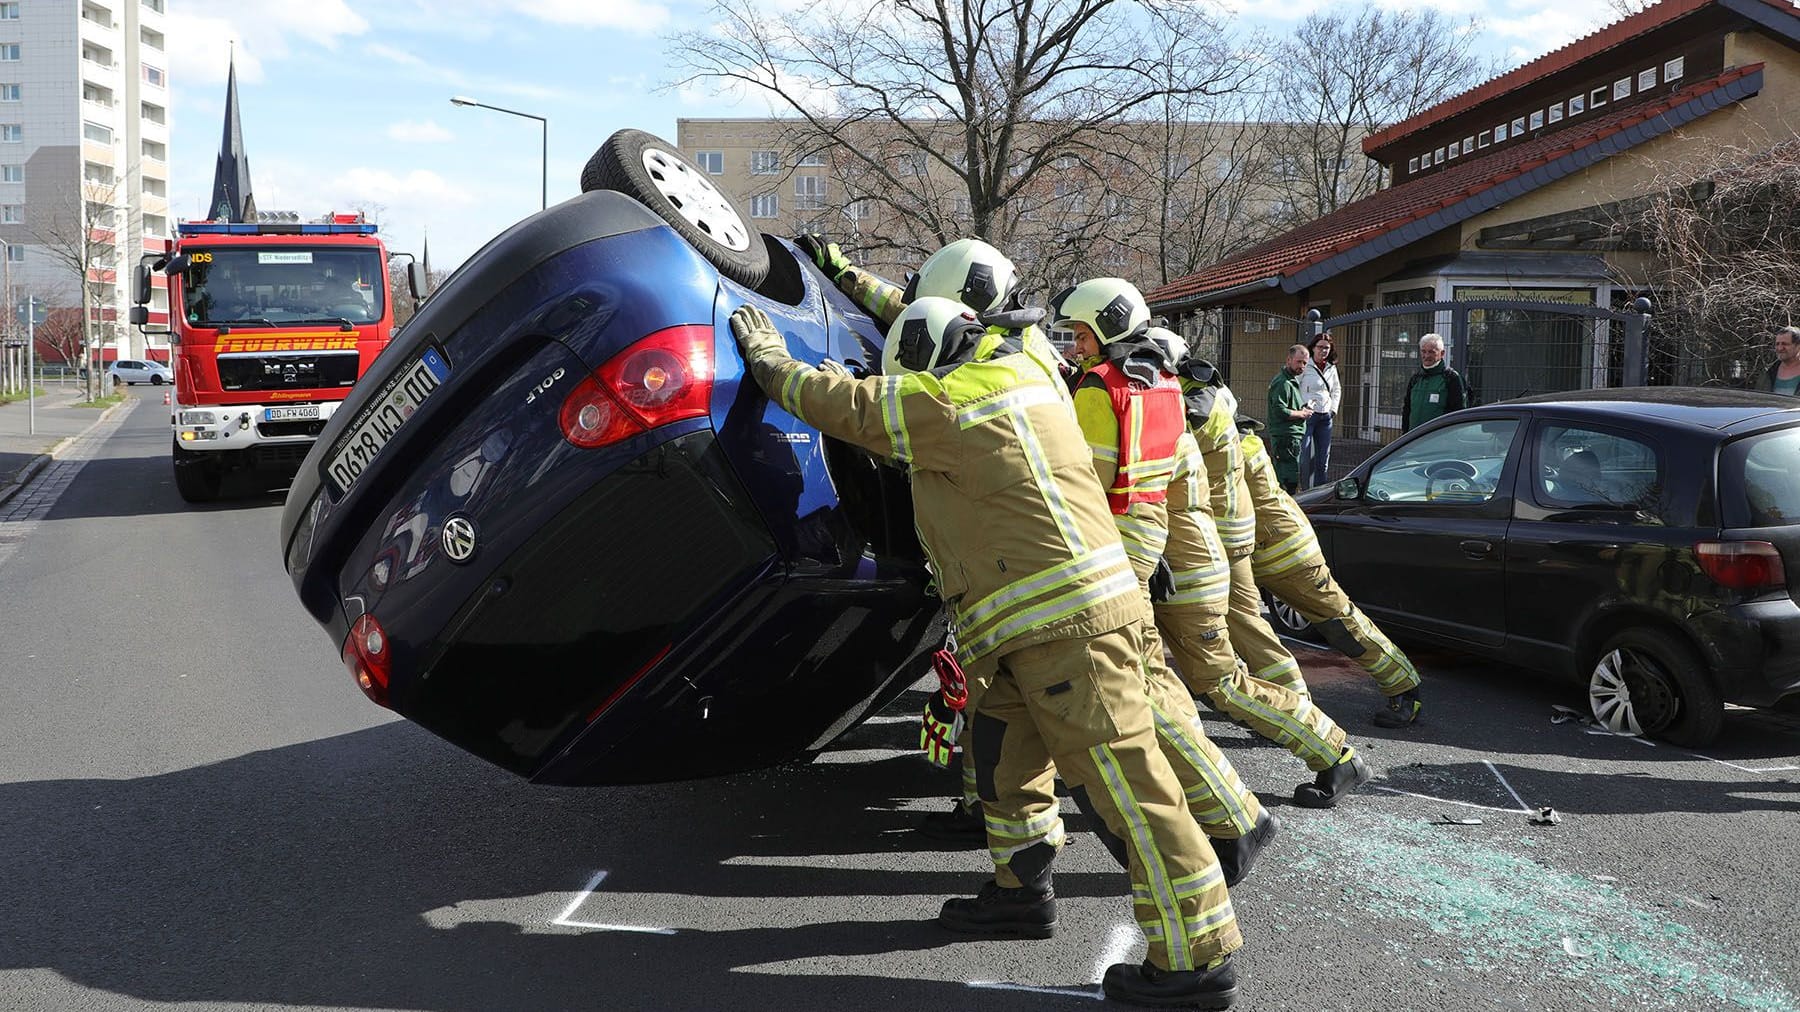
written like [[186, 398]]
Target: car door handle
[[1477, 549]]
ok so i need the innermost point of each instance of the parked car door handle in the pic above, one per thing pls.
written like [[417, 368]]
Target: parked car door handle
[[1478, 549]]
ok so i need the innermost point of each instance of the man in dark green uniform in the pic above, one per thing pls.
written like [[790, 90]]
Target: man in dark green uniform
[[1436, 389], [1287, 418]]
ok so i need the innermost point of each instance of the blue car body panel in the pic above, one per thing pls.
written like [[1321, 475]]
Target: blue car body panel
[[696, 599]]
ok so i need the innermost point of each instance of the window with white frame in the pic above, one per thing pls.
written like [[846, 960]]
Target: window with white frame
[[12, 173], [96, 173], [1456, 149], [1556, 113], [1646, 79], [710, 162], [1484, 138], [97, 132], [155, 5], [1621, 88], [9, 12], [156, 224], [12, 214], [153, 112], [155, 187], [1437, 157], [1577, 104], [809, 193], [11, 133], [156, 151], [154, 75], [1499, 133], [812, 160], [765, 205], [9, 52], [15, 253], [12, 93], [765, 163], [151, 37], [1597, 97], [912, 163], [1518, 127], [1537, 119], [1412, 164], [1468, 144], [1671, 70]]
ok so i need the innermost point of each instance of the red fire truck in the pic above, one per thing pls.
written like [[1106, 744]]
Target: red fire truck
[[272, 323]]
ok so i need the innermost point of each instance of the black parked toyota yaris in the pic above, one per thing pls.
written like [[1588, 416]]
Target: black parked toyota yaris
[[1644, 540]]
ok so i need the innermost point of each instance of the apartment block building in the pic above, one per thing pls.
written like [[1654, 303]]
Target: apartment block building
[[84, 153]]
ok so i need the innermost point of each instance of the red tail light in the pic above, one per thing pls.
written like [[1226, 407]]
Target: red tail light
[[1741, 565], [367, 657], [663, 378]]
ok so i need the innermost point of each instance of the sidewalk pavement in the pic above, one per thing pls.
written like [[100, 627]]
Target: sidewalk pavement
[[23, 455]]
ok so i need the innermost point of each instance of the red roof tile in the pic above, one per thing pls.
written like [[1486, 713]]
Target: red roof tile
[[1552, 62], [1368, 219]]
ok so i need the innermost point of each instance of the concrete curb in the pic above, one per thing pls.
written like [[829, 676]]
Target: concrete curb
[[42, 460]]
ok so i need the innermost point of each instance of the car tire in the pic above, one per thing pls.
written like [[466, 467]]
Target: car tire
[[1650, 681], [653, 172], [197, 476], [156, 381]]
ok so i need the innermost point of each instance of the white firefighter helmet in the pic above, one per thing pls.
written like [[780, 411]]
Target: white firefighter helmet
[[969, 271], [927, 333], [1173, 345], [1111, 306]]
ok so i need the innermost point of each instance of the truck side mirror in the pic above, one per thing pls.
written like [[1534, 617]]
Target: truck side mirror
[[417, 281], [178, 263], [140, 291], [140, 315]]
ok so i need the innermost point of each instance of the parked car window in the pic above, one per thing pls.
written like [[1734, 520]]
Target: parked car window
[[1767, 468], [1457, 463], [1587, 467]]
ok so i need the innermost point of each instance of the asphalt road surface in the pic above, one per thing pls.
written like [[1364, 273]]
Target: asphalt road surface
[[199, 809]]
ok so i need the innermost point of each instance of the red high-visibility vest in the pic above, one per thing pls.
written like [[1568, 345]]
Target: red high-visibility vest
[[1151, 419]]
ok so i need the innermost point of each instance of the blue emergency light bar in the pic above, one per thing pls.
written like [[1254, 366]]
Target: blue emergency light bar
[[271, 228]]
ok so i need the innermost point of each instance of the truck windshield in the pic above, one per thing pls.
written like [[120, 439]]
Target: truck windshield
[[287, 284]]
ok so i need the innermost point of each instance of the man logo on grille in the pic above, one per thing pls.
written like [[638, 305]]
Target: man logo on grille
[[459, 538]]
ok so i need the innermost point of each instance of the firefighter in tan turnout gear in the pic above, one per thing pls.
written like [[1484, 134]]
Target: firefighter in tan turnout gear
[[1294, 719], [1193, 619], [1289, 564], [1048, 614]]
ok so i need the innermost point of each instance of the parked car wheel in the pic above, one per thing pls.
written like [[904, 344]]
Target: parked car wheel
[[1287, 620], [654, 173], [156, 380], [1649, 682]]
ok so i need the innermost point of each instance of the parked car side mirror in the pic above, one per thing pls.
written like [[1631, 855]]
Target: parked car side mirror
[[1349, 488]]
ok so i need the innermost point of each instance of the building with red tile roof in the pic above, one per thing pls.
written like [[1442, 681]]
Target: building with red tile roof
[[1501, 191]]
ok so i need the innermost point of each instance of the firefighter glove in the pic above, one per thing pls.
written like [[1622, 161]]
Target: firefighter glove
[[826, 254], [938, 731], [1162, 582], [755, 332]]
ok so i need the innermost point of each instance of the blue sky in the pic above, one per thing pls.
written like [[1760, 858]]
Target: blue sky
[[349, 100]]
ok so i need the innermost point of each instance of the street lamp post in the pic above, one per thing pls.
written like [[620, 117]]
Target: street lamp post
[[544, 198]]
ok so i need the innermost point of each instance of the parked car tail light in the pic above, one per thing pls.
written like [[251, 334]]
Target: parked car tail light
[[368, 659], [663, 378], [1742, 565]]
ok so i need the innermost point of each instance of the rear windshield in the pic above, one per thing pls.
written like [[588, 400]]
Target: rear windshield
[[1759, 480]]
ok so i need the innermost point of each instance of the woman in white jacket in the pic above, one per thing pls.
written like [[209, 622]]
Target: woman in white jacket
[[1321, 390]]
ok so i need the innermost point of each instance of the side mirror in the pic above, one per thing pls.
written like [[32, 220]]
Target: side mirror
[[178, 263], [140, 291], [417, 281], [140, 315], [1349, 488]]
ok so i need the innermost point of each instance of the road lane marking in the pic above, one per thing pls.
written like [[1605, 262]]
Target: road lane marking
[[1092, 994], [563, 919], [1495, 770], [1746, 769], [1450, 801], [1119, 943]]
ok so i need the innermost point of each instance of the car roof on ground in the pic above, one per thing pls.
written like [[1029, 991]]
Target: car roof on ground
[[1716, 408]]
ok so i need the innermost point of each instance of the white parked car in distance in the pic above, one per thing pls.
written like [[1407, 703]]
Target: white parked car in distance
[[134, 371]]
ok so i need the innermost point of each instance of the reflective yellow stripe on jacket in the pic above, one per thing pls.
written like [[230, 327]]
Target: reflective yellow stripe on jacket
[[1284, 537]]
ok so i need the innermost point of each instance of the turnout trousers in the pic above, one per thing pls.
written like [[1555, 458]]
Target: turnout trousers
[[1080, 707], [1314, 593]]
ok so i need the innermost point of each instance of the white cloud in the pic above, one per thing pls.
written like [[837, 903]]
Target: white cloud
[[201, 33], [627, 15], [413, 132]]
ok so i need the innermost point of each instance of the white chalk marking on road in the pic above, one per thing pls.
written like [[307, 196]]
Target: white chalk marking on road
[[1067, 992], [1119, 942], [893, 718], [1495, 770], [862, 755], [1746, 769], [1447, 801], [562, 919]]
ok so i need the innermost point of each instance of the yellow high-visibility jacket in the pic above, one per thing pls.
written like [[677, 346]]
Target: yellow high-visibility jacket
[[1194, 552], [1284, 536], [1007, 504], [1232, 509]]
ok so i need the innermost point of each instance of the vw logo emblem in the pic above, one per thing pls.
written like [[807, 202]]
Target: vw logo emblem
[[459, 538]]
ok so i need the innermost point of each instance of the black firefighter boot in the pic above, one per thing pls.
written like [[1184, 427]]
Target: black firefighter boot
[[1000, 912], [1402, 710], [1237, 857], [961, 826], [1214, 987], [1334, 782]]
